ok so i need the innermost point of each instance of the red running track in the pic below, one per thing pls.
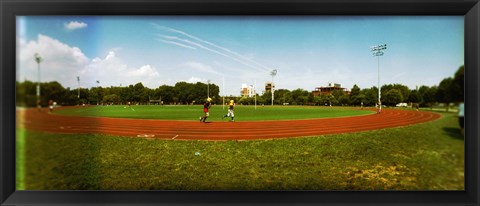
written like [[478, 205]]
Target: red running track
[[194, 130]]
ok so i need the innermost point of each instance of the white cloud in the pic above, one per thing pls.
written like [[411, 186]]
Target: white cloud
[[112, 71], [194, 80], [59, 61], [63, 63], [73, 25]]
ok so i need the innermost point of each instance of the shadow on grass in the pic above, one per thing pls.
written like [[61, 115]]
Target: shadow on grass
[[453, 132]]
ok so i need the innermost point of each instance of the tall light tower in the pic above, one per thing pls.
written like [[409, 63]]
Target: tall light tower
[[78, 89], [38, 59], [378, 51], [98, 93], [273, 73]]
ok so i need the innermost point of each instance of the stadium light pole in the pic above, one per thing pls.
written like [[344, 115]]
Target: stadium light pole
[[272, 73], [378, 51], [78, 89], [98, 94], [38, 59]]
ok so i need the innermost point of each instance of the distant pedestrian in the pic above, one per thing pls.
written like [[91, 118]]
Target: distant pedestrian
[[50, 106], [461, 117], [230, 113], [206, 107]]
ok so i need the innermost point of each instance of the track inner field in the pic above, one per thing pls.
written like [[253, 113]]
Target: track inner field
[[194, 130]]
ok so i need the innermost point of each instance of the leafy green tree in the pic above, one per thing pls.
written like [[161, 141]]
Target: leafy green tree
[[26, 93], [458, 85], [95, 95], [371, 96], [361, 98], [310, 98], [111, 98], [183, 91], [344, 100], [165, 93], [246, 101], [428, 95], [267, 98], [444, 92], [354, 95], [328, 99], [404, 90], [282, 96], [337, 94], [317, 100], [300, 96], [260, 100], [301, 100], [415, 97], [392, 97]]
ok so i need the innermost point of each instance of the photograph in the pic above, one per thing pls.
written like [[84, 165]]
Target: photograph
[[240, 103]]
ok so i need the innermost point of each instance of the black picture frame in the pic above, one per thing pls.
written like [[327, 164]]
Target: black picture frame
[[9, 9]]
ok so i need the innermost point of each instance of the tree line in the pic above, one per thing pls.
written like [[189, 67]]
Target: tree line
[[180, 93], [449, 90]]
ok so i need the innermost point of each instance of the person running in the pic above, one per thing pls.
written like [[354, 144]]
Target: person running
[[206, 106], [230, 111]]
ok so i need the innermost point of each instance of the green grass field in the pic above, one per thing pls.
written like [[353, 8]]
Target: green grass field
[[427, 156], [192, 112]]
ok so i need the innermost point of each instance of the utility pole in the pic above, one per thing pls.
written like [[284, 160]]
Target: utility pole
[[78, 89], [98, 93], [38, 59], [272, 73]]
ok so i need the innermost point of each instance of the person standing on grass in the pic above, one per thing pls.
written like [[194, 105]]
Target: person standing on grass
[[230, 110], [461, 117], [206, 106]]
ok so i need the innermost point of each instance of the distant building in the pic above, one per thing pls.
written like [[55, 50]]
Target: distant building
[[329, 89], [269, 86], [247, 91]]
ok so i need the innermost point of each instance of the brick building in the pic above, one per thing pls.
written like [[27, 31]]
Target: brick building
[[329, 89]]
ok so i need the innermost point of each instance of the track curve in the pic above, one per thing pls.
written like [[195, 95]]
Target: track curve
[[194, 130]]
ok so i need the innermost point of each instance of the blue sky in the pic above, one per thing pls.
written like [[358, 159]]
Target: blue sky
[[307, 51]]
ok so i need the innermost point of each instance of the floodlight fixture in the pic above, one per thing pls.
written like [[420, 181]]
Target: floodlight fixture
[[78, 89]]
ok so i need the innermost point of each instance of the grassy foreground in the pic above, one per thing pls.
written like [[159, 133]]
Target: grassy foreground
[[192, 112], [428, 156]]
